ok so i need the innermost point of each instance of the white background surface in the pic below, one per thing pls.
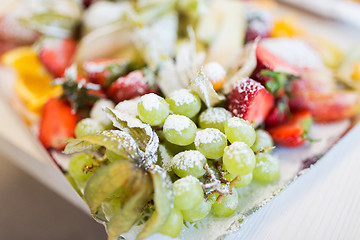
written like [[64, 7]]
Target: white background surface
[[322, 204]]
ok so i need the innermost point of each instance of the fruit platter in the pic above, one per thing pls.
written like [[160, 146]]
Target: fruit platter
[[176, 119]]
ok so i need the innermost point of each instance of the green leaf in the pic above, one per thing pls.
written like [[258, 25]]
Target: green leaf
[[52, 24], [142, 133], [116, 141], [280, 80], [163, 199], [105, 181], [139, 192], [202, 86]]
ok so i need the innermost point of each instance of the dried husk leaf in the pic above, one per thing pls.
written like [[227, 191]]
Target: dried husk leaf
[[202, 86], [139, 192], [105, 181], [163, 199], [117, 141], [142, 133]]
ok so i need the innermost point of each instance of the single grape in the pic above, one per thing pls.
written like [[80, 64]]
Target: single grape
[[245, 180], [239, 159], [174, 224], [239, 130], [267, 168], [184, 102], [81, 167], [153, 109], [179, 130], [189, 163], [263, 140], [187, 193], [198, 212], [88, 126], [227, 206], [214, 118], [210, 142], [98, 113]]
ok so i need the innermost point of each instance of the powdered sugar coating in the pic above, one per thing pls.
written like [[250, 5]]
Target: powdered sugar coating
[[214, 71], [184, 185], [151, 101], [214, 118], [208, 135], [182, 96], [177, 123]]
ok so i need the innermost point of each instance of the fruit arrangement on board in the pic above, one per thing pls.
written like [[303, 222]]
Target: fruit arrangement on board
[[168, 109]]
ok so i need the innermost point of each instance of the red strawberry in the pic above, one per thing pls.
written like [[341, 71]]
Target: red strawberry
[[57, 124], [250, 100], [293, 132], [267, 60], [57, 54], [258, 25], [278, 114], [101, 71], [327, 107], [130, 86]]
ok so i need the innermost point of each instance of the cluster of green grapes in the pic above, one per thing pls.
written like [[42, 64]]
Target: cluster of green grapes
[[210, 153]]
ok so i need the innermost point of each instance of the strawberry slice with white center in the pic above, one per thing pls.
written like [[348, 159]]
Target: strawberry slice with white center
[[249, 100]]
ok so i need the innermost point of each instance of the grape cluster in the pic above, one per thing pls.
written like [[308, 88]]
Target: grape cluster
[[210, 153]]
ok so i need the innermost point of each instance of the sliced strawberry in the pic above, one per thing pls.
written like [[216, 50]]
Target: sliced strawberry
[[57, 124], [293, 132], [130, 86], [327, 107], [105, 71], [278, 114], [268, 60], [251, 101], [57, 54]]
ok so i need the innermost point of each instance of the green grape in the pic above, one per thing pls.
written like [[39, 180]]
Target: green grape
[[179, 130], [77, 168], [128, 106], [263, 140], [187, 193], [198, 212], [267, 168], [189, 163], [239, 159], [214, 118], [210, 142], [239, 130], [98, 113], [153, 109], [174, 224], [88, 126], [112, 157], [245, 180], [227, 206], [184, 102]]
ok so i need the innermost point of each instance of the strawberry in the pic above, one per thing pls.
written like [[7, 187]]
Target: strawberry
[[258, 25], [250, 100], [267, 60], [294, 131], [57, 124], [105, 71], [278, 114], [57, 54], [130, 86], [329, 106]]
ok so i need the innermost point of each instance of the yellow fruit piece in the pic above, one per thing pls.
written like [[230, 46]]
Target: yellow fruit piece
[[33, 83], [356, 72], [287, 27]]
